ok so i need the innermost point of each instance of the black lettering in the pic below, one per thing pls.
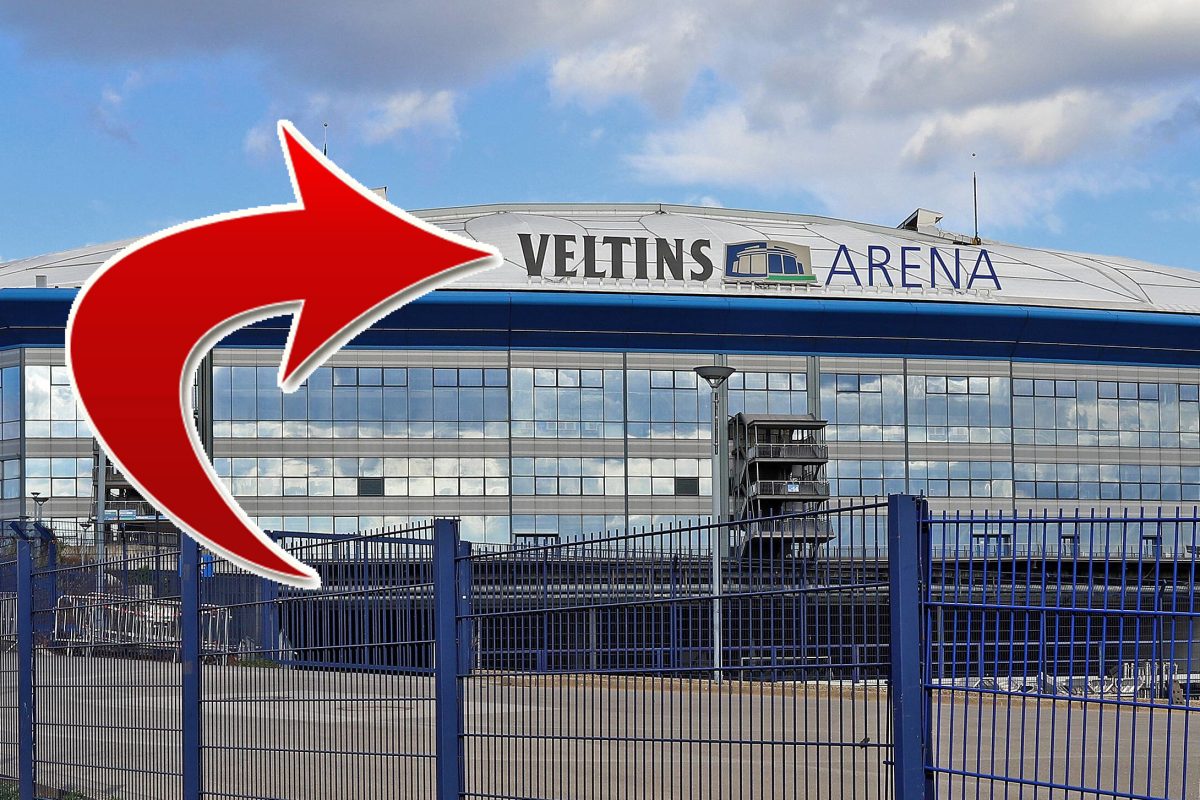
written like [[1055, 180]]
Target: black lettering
[[703, 262], [617, 258], [533, 261], [589, 258], [669, 259], [564, 251]]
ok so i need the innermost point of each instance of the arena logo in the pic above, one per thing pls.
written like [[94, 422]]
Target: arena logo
[[768, 261], [564, 255]]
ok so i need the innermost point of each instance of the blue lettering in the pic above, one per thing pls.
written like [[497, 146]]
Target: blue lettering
[[872, 264], [984, 258], [847, 270], [906, 267], [955, 278]]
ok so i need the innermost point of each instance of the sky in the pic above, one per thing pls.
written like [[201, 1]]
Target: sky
[[1081, 118]]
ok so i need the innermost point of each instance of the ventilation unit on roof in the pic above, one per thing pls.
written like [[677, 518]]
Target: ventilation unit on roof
[[922, 221], [39, 281]]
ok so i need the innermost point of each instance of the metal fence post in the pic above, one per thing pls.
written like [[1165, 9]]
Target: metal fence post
[[189, 658], [908, 549], [26, 764], [464, 628], [446, 660]]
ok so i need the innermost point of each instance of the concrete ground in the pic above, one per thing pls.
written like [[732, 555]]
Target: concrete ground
[[109, 728]]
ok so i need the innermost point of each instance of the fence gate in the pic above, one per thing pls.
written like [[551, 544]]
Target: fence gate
[[325, 694], [618, 668], [1063, 655]]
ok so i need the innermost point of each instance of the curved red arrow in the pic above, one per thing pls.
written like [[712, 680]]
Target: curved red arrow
[[338, 259]]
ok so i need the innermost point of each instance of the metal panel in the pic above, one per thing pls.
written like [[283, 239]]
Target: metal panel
[[1063, 654], [593, 672]]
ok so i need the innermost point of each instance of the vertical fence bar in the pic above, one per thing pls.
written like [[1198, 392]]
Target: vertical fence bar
[[189, 659], [908, 546], [268, 619], [464, 629], [446, 660], [26, 765]]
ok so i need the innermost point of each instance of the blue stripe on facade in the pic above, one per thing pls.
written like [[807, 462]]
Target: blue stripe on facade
[[457, 318]]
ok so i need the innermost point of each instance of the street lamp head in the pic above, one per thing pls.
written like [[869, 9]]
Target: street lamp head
[[714, 374]]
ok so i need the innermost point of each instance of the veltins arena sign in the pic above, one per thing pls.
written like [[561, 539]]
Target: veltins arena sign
[[762, 261]]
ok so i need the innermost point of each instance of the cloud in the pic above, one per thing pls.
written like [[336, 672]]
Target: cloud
[[858, 170], [354, 46], [107, 114], [869, 107], [658, 66], [1183, 121], [261, 141], [1014, 51], [1044, 132], [873, 112], [370, 120], [409, 111]]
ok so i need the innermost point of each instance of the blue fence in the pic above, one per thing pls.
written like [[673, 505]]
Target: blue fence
[[874, 650], [1063, 655]]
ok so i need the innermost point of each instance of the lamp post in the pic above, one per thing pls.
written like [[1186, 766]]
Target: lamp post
[[86, 526], [715, 375], [38, 501]]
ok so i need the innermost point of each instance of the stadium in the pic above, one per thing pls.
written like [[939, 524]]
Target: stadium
[[1033, 417], [555, 396]]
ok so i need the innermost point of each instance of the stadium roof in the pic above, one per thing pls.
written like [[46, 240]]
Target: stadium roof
[[530, 236]]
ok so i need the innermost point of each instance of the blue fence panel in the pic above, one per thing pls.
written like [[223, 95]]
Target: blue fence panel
[[107, 673], [595, 673], [9, 665], [1064, 655], [325, 694]]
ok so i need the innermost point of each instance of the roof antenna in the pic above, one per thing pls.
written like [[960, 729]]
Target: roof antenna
[[975, 197], [325, 143]]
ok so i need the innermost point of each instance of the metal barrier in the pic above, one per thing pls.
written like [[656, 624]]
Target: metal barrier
[[331, 691], [118, 625], [658, 664], [8, 621], [1063, 658], [909, 655]]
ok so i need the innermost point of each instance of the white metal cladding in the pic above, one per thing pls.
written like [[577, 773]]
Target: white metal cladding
[[1027, 276]]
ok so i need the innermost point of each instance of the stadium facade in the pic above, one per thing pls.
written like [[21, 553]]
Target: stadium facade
[[556, 394]]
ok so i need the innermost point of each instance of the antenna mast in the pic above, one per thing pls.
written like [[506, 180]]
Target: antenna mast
[[975, 200], [325, 143]]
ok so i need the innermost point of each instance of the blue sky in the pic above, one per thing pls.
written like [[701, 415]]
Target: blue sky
[[1084, 117]]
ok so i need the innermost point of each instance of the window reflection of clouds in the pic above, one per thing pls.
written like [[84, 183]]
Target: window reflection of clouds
[[56, 477], [567, 402], [363, 402], [327, 477], [51, 410]]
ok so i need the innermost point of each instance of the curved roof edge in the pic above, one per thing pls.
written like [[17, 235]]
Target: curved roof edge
[[659, 248]]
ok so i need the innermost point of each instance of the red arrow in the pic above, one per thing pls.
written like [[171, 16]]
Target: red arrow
[[338, 259]]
